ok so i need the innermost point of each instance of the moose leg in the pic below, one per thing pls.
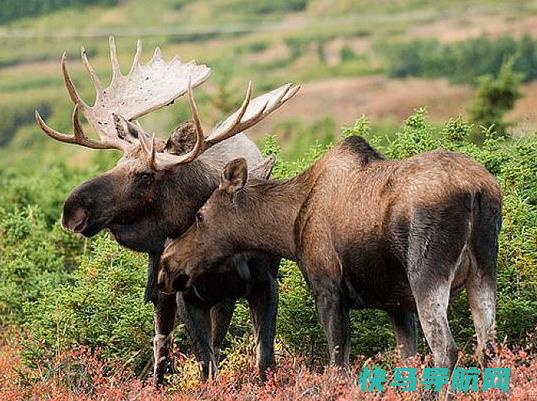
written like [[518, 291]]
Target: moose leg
[[432, 303], [482, 299], [404, 324], [197, 324], [165, 309], [221, 315], [481, 282], [431, 287], [334, 317], [430, 274], [263, 309], [438, 253]]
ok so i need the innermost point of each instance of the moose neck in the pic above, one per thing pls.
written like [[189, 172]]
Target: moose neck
[[274, 209]]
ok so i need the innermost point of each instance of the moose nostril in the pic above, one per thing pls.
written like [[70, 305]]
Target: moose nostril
[[75, 220]]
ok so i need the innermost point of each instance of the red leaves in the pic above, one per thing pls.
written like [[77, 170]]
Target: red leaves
[[81, 375]]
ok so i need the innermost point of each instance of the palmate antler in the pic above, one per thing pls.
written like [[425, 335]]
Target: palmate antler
[[144, 89], [249, 114]]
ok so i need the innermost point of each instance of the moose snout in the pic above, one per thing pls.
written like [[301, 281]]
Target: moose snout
[[75, 216]]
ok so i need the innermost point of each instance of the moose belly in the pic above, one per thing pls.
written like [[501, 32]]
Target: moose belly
[[377, 283]]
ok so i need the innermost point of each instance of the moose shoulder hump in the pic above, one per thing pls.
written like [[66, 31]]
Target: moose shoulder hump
[[360, 147]]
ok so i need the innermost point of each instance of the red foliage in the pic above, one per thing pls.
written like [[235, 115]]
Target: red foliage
[[81, 375]]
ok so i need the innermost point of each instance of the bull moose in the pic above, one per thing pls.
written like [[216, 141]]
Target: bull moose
[[156, 188], [366, 231]]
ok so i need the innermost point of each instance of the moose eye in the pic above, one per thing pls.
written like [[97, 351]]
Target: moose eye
[[146, 176], [199, 219]]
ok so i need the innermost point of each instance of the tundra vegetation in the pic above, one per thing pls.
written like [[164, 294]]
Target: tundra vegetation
[[356, 42], [67, 293]]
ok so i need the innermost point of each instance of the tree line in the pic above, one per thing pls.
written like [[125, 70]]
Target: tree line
[[461, 62], [15, 9]]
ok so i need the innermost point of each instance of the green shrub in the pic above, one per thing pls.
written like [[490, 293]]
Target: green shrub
[[66, 291], [99, 306], [29, 256], [33, 246], [495, 97], [347, 53], [272, 6]]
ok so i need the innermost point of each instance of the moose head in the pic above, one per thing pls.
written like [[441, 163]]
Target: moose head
[[134, 189]]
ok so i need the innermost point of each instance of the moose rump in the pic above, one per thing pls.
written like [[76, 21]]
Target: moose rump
[[401, 236]]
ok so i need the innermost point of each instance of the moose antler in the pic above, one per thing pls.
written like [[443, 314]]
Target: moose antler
[[144, 89], [249, 114]]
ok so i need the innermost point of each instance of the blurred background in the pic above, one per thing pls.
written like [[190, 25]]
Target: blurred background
[[380, 58]]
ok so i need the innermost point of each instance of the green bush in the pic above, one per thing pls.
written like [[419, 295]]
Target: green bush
[[65, 291], [33, 247], [30, 255], [272, 6], [100, 306], [495, 97], [347, 53]]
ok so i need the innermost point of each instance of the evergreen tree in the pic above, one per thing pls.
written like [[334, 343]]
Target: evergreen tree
[[495, 97]]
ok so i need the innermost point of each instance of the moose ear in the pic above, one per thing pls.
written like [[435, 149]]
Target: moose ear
[[263, 169], [127, 130], [234, 176], [182, 140]]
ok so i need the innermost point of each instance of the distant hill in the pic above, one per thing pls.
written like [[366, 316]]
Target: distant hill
[[340, 50]]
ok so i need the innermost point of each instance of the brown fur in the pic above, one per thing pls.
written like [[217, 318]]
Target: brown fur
[[182, 139], [399, 235]]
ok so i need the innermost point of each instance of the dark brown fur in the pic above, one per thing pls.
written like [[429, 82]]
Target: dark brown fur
[[142, 208], [399, 235]]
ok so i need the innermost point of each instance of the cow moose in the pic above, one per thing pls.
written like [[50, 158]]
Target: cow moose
[[397, 235], [156, 188]]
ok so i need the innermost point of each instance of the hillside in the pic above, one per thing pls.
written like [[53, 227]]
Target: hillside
[[336, 50]]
